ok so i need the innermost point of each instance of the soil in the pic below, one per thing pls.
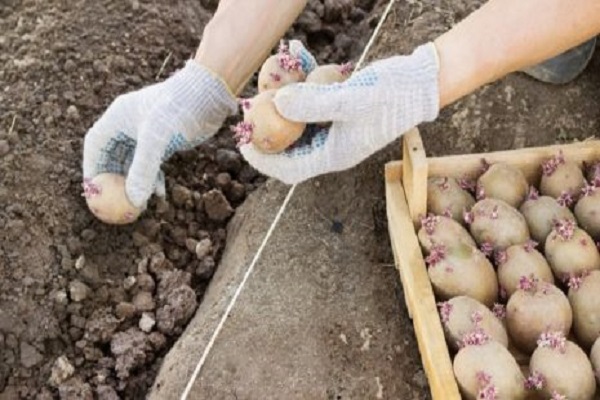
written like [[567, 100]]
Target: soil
[[89, 310]]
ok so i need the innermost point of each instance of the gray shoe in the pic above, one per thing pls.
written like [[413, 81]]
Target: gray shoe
[[566, 66]]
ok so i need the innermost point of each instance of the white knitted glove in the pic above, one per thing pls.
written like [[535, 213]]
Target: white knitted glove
[[141, 129], [372, 108]]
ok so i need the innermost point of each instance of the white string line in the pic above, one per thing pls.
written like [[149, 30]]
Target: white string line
[[282, 209]]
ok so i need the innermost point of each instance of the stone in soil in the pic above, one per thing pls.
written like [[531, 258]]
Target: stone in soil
[[61, 371], [143, 301], [78, 290], [129, 348], [203, 248], [101, 325], [147, 322], [177, 309], [216, 205]]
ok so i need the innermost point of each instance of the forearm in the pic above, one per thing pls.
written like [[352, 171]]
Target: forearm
[[504, 36], [241, 35]]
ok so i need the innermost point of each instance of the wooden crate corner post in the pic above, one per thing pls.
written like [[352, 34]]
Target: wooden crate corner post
[[414, 175]]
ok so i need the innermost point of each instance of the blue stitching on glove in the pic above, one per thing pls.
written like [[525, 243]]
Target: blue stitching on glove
[[308, 64], [117, 155], [313, 138], [363, 79], [179, 142]]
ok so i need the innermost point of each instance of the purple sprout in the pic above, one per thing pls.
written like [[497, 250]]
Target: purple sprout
[[557, 396], [242, 132], [533, 193], [550, 166], [553, 340], [487, 248], [429, 223], [286, 60], [574, 281], [443, 185], [480, 192], [535, 381], [588, 189], [499, 310], [565, 199], [564, 228], [500, 257], [467, 184], [436, 254], [469, 217], [528, 283], [90, 189], [530, 245], [476, 337], [489, 392], [346, 68], [445, 311]]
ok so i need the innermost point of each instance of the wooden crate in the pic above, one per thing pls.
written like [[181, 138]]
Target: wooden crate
[[406, 198]]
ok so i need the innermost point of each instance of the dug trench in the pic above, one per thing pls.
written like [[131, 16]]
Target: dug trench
[[89, 310]]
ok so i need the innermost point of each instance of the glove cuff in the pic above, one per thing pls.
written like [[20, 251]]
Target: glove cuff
[[426, 78], [195, 82]]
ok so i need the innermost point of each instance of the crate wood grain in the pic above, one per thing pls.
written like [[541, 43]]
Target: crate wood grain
[[406, 202]]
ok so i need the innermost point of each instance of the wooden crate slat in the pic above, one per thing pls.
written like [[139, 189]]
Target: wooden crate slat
[[526, 159], [414, 175], [419, 295]]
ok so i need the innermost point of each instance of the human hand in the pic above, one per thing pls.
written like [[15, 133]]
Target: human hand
[[369, 110], [141, 129]]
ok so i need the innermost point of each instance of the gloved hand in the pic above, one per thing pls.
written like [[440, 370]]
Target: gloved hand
[[369, 110], [141, 129]]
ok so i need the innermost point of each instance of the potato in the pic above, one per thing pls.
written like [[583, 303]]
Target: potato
[[561, 178], [462, 314], [279, 70], [495, 223], [560, 367], [268, 131], [595, 359], [488, 371], [446, 197], [541, 212], [570, 251], [462, 270], [106, 198], [584, 296], [517, 261], [536, 308], [330, 73], [504, 182], [438, 229], [587, 210]]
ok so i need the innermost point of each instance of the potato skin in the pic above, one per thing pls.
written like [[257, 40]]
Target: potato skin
[[107, 200], [595, 359], [496, 361], [444, 195], [271, 133], [460, 320], [529, 313], [326, 74], [504, 182], [540, 214], [270, 69], [464, 271], [565, 177], [585, 302], [569, 373], [521, 260], [438, 229], [587, 211], [497, 223], [572, 255]]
